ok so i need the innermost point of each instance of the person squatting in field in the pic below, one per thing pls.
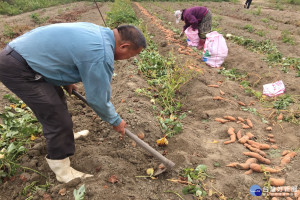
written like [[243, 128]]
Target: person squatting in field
[[37, 64], [198, 17], [247, 4]]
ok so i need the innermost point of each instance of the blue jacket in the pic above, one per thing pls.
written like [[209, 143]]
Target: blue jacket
[[68, 53]]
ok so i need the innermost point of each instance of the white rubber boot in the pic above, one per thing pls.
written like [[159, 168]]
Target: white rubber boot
[[64, 172], [83, 133]]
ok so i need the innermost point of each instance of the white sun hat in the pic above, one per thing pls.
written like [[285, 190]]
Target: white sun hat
[[177, 14]]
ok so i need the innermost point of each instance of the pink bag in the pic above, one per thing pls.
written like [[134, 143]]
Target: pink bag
[[273, 89], [192, 36], [215, 49]]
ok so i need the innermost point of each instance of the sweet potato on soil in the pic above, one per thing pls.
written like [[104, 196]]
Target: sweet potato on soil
[[249, 122], [239, 134], [285, 152], [241, 103], [241, 119], [271, 140], [244, 126], [258, 145], [253, 149], [246, 137], [221, 120], [269, 128], [258, 157], [250, 171], [234, 164], [287, 158], [218, 98], [259, 168], [232, 136], [277, 181], [280, 116], [246, 165], [229, 118]]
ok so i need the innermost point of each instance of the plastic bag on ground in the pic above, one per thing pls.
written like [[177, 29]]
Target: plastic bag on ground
[[273, 89], [215, 49], [192, 36]]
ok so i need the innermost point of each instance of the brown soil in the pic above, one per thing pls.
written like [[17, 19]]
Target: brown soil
[[103, 154]]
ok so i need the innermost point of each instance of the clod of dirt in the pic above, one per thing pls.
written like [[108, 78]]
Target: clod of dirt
[[113, 179], [163, 44]]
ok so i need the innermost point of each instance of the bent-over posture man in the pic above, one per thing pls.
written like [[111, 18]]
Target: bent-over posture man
[[35, 65]]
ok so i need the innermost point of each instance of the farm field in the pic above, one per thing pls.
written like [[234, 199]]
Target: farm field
[[264, 47]]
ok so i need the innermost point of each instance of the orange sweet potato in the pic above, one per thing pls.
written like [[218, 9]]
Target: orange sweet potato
[[256, 150], [287, 158], [249, 122], [246, 165], [277, 182], [232, 136], [229, 118], [241, 119], [258, 157], [260, 168], [221, 120], [239, 134]]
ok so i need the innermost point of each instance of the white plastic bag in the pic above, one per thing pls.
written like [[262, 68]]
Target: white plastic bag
[[273, 89], [192, 36], [215, 49]]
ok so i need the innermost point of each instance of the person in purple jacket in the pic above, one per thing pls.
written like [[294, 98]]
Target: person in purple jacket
[[198, 17]]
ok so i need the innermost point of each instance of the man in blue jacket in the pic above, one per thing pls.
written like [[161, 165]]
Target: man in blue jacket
[[35, 65]]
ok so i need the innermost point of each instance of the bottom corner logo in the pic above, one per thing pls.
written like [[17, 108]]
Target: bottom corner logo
[[255, 190]]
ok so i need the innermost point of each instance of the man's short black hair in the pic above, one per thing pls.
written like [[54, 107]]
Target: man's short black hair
[[129, 33]]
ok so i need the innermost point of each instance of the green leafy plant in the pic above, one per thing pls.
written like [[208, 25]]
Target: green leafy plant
[[36, 18], [248, 28], [287, 38], [283, 102], [233, 74], [79, 194], [261, 33], [195, 179], [121, 12], [19, 127], [9, 31]]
